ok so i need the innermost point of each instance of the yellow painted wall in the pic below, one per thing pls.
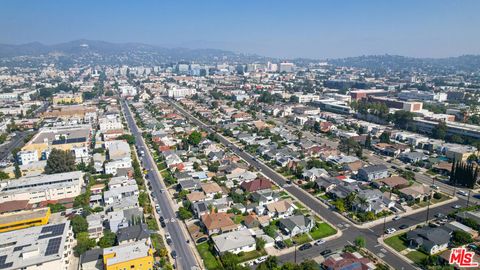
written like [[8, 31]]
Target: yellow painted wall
[[21, 224], [144, 263]]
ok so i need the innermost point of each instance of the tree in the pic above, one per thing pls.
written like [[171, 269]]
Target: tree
[[368, 141], [472, 158], [4, 175], [194, 138], [127, 137], [108, 239], [461, 238], [84, 243], [17, 171], [79, 224], [60, 161], [184, 214], [56, 207], [270, 230], [259, 243], [340, 205], [440, 131], [385, 137], [360, 242], [182, 194]]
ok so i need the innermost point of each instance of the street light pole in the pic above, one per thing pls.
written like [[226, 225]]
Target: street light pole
[[428, 208], [468, 197]]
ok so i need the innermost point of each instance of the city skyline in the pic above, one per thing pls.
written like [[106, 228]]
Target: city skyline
[[310, 29]]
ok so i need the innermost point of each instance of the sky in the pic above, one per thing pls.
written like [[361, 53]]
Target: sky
[[287, 29]]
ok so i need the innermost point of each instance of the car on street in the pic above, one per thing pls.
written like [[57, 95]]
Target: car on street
[[305, 246], [319, 242], [462, 192], [397, 217], [435, 187], [439, 215], [390, 230], [457, 206], [403, 226], [174, 254], [325, 252]]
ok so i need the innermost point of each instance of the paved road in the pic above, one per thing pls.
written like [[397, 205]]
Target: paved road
[[349, 232], [15, 142], [185, 258]]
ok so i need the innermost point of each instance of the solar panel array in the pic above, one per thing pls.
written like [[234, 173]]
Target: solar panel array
[[53, 246], [52, 231], [72, 140], [4, 265], [20, 247]]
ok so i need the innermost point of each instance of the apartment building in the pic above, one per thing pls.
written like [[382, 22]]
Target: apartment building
[[41, 188]]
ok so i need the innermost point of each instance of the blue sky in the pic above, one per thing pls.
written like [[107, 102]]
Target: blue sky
[[300, 28]]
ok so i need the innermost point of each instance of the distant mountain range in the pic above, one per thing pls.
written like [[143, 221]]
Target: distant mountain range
[[101, 52]]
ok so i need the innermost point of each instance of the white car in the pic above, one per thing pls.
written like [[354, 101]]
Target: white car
[[391, 230], [462, 192], [319, 242], [396, 218], [260, 259]]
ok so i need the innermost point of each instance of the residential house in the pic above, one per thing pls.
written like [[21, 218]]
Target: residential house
[[218, 222], [432, 240], [347, 260], [280, 209], [234, 242], [259, 183], [211, 189], [314, 173], [372, 200], [373, 172], [397, 182], [415, 192], [296, 225]]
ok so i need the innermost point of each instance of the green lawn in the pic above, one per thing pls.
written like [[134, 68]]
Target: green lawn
[[157, 241], [247, 256], [301, 238], [416, 256], [288, 242], [210, 261], [396, 243], [322, 230], [152, 224], [299, 205]]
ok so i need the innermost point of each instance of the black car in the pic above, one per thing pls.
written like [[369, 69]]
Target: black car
[[161, 219], [162, 223], [305, 246], [403, 226], [169, 241], [280, 244], [174, 254], [325, 252]]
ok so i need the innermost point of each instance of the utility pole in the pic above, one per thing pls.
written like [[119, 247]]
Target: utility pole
[[428, 208], [468, 197]]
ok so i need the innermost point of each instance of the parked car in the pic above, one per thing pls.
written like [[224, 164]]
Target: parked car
[[439, 215], [403, 226], [435, 187], [305, 246], [457, 206], [325, 252], [463, 192], [397, 217], [280, 245], [260, 259], [174, 254], [319, 242]]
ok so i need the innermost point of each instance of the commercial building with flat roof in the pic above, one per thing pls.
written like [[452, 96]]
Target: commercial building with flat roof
[[40, 248], [43, 187], [138, 255], [24, 219]]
